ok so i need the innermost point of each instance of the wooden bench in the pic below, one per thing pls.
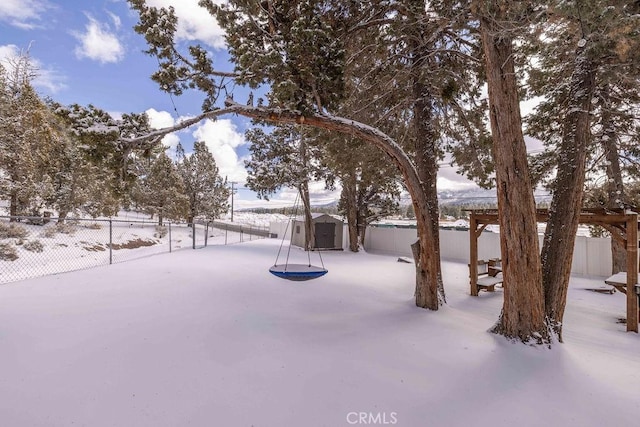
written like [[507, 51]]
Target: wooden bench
[[618, 281], [489, 274]]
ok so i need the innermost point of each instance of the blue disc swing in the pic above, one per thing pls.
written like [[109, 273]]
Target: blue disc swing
[[296, 272]]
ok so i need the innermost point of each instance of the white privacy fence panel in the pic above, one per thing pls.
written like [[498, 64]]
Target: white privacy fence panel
[[395, 241], [591, 257], [277, 229]]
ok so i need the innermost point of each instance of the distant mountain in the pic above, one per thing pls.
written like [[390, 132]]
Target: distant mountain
[[472, 196], [479, 196], [323, 207], [333, 204]]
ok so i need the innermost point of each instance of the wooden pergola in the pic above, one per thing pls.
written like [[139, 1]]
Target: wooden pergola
[[621, 224]]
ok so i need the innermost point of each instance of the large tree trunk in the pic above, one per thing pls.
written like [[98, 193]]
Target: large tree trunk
[[309, 235], [523, 315], [428, 277], [564, 213], [362, 231], [363, 218], [427, 167], [13, 207], [62, 216], [349, 189], [309, 240], [426, 150], [616, 197]]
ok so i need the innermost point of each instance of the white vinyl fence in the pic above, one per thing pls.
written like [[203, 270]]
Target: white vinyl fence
[[591, 256]]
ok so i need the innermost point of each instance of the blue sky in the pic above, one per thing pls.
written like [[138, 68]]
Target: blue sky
[[86, 52]]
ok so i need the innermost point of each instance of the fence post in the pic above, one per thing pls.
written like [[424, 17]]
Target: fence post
[[206, 234], [225, 235], [241, 235], [110, 241], [193, 235], [250, 233], [169, 237]]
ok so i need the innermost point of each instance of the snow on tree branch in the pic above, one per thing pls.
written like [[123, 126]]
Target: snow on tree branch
[[154, 137]]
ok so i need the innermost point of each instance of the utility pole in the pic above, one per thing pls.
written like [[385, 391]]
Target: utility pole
[[233, 191]]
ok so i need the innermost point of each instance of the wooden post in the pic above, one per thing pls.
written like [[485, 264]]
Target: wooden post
[[632, 272], [473, 254]]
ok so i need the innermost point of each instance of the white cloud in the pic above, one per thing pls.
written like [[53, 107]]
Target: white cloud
[[164, 119], [117, 115], [159, 119], [194, 22], [49, 79], [117, 22], [320, 195], [7, 53], [98, 43], [23, 13], [286, 197], [454, 183], [222, 139], [45, 78]]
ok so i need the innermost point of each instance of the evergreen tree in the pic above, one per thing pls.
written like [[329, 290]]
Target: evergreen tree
[[27, 136], [275, 160], [72, 180], [206, 192], [610, 41], [109, 160], [574, 50], [286, 157], [369, 181], [162, 191]]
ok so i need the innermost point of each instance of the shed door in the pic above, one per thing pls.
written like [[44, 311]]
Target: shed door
[[325, 235]]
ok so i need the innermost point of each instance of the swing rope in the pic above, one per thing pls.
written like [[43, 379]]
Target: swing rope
[[291, 218], [319, 252], [286, 229], [284, 235]]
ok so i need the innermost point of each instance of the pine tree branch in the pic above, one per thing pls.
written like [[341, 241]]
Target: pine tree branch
[[346, 126], [154, 137]]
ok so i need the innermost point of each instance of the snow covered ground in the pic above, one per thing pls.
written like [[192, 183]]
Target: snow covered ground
[[255, 219], [210, 338]]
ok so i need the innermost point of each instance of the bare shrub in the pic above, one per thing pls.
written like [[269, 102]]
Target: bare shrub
[[66, 228], [94, 248], [133, 244], [34, 246], [49, 232], [94, 226], [12, 231], [8, 252]]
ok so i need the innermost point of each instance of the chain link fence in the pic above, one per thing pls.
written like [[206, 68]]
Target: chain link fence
[[39, 246]]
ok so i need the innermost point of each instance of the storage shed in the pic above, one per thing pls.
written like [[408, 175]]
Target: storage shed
[[327, 230]]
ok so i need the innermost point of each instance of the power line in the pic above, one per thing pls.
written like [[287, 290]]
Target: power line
[[233, 191]]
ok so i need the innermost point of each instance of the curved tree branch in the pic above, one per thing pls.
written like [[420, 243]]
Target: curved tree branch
[[339, 124], [145, 141]]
